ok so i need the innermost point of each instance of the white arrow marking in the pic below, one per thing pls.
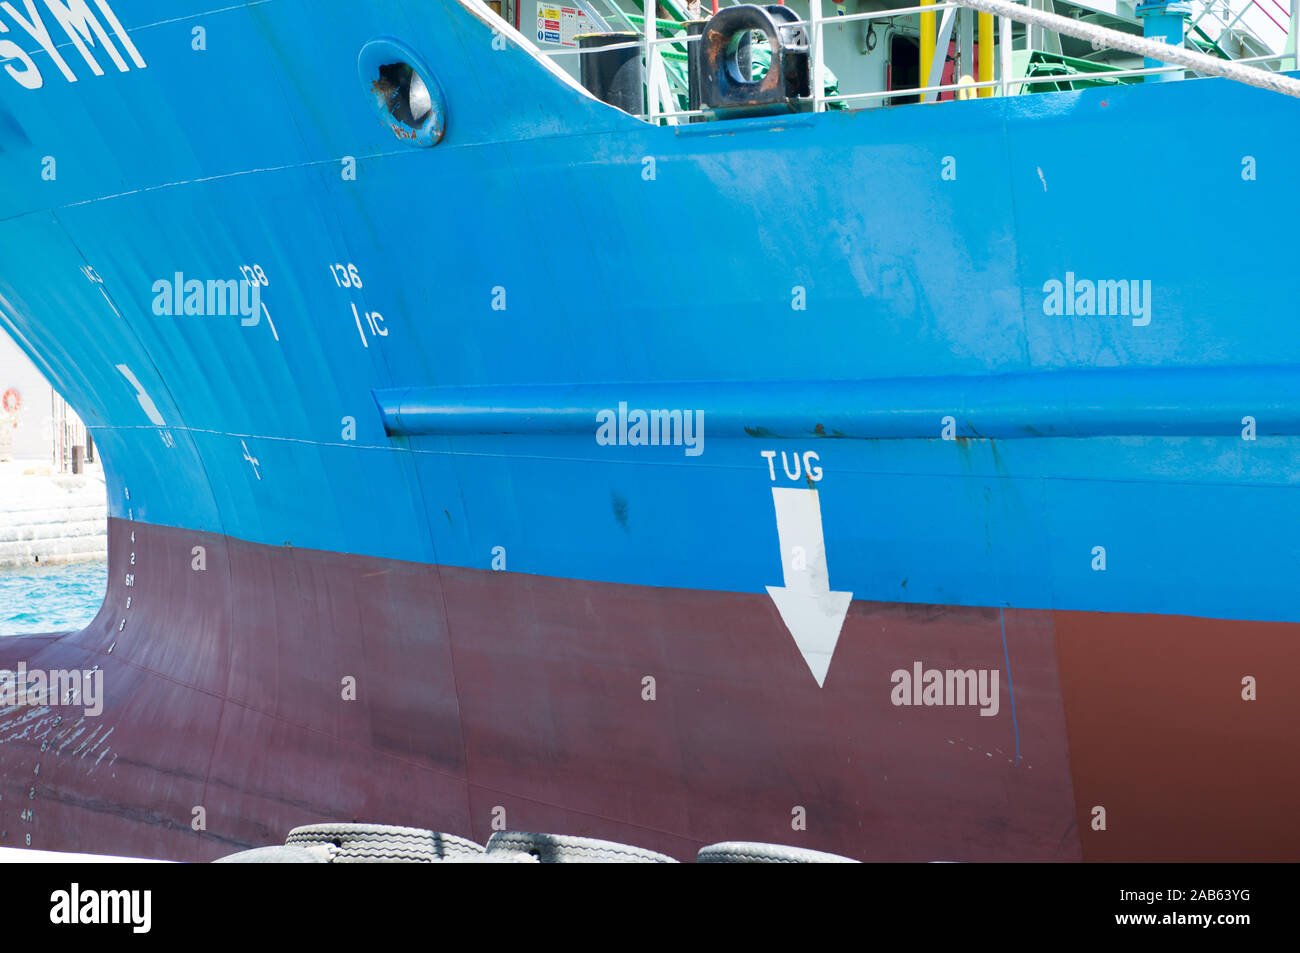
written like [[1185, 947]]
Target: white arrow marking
[[810, 610]]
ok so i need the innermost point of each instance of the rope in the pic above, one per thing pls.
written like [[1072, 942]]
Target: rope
[[1151, 49]]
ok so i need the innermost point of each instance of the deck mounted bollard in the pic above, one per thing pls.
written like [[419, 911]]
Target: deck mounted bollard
[[613, 76], [727, 86]]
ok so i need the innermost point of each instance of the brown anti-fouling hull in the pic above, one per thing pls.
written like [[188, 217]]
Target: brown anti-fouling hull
[[664, 718]]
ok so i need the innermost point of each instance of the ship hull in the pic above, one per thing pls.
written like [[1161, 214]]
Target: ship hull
[[967, 391], [486, 699]]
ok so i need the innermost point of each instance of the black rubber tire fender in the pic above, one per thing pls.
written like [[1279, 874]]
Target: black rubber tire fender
[[752, 852], [562, 849], [278, 855], [363, 843]]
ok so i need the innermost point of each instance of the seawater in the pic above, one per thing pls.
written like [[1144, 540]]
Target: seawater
[[51, 599]]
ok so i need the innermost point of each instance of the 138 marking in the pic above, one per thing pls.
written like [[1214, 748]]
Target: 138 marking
[[254, 275]]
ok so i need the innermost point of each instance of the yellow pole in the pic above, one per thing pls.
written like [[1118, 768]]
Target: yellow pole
[[986, 52], [927, 44]]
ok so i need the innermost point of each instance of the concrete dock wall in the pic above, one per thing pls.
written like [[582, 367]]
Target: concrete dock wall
[[50, 518]]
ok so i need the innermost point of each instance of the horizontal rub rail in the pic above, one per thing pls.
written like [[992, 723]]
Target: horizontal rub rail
[[1192, 401]]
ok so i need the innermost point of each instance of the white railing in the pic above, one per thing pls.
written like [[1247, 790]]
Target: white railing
[[1265, 21], [653, 61], [1005, 84]]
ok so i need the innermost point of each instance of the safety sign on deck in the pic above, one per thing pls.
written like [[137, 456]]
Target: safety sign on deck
[[559, 25]]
